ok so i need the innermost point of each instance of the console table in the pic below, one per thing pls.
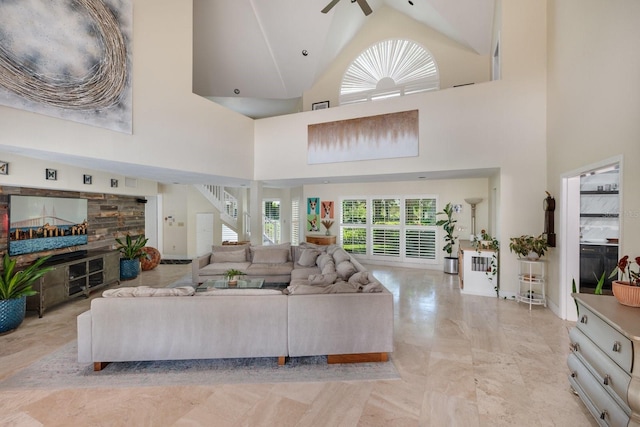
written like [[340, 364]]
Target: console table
[[605, 346], [73, 278], [321, 240]]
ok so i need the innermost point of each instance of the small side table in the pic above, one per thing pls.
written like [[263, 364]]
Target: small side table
[[531, 282]]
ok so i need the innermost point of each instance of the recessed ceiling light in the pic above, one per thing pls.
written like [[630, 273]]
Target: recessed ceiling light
[[305, 52], [236, 91], [325, 181]]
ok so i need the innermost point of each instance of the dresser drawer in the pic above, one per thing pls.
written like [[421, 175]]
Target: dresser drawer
[[611, 376], [615, 345], [600, 403]]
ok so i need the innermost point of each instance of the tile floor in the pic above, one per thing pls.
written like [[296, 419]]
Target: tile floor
[[464, 361]]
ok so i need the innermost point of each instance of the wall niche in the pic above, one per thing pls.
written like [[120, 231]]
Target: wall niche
[[109, 216]]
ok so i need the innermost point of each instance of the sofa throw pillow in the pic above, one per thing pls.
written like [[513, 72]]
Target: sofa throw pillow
[[340, 255], [271, 256], [322, 260], [308, 257], [286, 246], [239, 255], [345, 269], [329, 267], [322, 279]]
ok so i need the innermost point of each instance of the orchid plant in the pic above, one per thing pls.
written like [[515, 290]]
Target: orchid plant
[[624, 266]]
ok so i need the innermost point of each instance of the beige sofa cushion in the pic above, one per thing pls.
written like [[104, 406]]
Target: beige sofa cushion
[[286, 246], [322, 279], [345, 270], [239, 255], [271, 256], [308, 257], [340, 255]]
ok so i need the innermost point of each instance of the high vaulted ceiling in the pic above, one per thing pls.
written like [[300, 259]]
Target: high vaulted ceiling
[[255, 47]]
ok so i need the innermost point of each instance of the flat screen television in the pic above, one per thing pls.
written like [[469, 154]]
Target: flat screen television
[[38, 223]]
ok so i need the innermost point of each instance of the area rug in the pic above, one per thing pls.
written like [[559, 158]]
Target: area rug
[[60, 370]]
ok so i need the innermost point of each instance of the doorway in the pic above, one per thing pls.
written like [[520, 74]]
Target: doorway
[[590, 227]]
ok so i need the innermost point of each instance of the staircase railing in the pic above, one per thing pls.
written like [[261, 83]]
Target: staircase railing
[[225, 202]]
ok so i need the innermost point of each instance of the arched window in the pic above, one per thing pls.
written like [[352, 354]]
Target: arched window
[[387, 69]]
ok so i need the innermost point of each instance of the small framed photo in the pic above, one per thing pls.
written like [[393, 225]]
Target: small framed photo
[[114, 183], [320, 105], [4, 168], [51, 174], [87, 179]]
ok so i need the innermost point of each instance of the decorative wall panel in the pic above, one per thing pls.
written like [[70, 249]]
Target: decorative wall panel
[[376, 137], [68, 59]]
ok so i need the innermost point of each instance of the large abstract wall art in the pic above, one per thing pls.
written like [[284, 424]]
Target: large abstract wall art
[[69, 59], [376, 137]]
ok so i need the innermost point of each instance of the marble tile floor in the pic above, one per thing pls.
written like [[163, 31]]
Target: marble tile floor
[[464, 361]]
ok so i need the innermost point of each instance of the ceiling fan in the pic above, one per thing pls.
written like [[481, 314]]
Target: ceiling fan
[[366, 9]]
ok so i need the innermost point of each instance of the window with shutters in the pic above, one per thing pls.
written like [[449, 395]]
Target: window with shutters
[[392, 228], [295, 221], [420, 228], [389, 69], [271, 222], [353, 226], [385, 227]]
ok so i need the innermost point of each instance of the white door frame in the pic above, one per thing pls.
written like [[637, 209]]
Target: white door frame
[[569, 242]]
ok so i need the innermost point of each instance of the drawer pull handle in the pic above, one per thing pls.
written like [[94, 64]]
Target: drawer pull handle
[[617, 346], [606, 380], [603, 414], [583, 319]]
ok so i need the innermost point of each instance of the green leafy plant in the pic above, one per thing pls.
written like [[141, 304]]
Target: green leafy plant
[[232, 272], [132, 248], [600, 284], [487, 241], [526, 244], [634, 276], [448, 224], [574, 289], [18, 284]]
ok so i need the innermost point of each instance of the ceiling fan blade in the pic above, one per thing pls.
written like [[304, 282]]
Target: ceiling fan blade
[[365, 7], [330, 6]]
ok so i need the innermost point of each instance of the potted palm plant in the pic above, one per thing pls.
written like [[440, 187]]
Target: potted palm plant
[[448, 224], [131, 253], [15, 287]]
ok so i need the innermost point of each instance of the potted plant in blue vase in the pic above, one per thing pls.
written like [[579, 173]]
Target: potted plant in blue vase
[[15, 287], [131, 253]]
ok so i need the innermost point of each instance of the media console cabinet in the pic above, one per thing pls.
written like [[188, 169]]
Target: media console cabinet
[[73, 278]]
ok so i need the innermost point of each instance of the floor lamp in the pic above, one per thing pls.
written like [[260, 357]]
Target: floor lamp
[[473, 202]]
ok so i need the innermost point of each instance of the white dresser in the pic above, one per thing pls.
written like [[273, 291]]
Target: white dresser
[[605, 344]]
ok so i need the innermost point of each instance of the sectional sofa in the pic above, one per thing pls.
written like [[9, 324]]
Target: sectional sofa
[[321, 312]]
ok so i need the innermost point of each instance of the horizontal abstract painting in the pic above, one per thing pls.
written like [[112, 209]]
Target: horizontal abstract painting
[[367, 138], [69, 59]]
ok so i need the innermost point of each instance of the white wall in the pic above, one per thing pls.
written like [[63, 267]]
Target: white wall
[[457, 64], [166, 115], [593, 106], [28, 172], [500, 124]]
